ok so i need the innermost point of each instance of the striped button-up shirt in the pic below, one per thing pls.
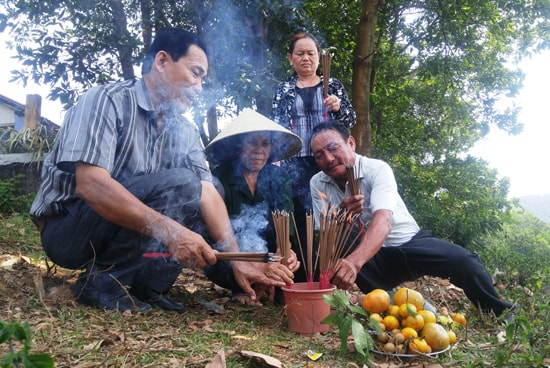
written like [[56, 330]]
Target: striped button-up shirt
[[115, 127]]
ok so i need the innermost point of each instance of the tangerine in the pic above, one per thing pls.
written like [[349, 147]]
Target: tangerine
[[406, 310], [452, 336], [376, 316], [416, 322], [393, 310], [428, 316], [376, 301], [409, 332], [459, 318], [390, 322], [418, 346]]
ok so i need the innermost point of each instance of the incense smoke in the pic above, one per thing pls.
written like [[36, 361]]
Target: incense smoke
[[249, 225]]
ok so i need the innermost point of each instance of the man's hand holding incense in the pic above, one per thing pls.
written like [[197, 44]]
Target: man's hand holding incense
[[353, 204], [345, 275]]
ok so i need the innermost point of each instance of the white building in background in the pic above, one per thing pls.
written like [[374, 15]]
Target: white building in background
[[12, 115]]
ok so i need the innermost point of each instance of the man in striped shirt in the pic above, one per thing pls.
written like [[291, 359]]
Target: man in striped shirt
[[126, 192]]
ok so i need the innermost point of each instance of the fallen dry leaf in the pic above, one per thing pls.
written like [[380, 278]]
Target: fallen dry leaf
[[272, 362], [218, 361]]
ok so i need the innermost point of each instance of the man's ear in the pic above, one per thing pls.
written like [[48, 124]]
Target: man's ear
[[351, 142], [160, 60]]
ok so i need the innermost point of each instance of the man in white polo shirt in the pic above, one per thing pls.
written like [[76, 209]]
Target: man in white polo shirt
[[393, 249]]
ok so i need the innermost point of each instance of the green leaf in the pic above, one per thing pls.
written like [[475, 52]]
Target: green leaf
[[358, 310], [338, 299], [7, 360], [362, 340], [41, 360], [332, 319], [343, 331]]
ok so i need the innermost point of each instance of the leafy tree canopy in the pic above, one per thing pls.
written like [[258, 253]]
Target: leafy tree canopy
[[425, 90]]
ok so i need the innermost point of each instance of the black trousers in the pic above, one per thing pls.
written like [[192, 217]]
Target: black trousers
[[80, 238], [427, 255]]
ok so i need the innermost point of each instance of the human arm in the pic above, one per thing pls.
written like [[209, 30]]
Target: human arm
[[281, 104], [247, 274], [116, 204], [370, 243], [343, 110]]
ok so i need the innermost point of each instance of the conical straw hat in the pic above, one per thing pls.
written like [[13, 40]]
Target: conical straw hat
[[284, 143]]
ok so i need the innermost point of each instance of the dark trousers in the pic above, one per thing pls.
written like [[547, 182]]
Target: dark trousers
[[426, 255], [80, 238]]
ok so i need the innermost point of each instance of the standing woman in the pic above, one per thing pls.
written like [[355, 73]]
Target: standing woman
[[299, 105]]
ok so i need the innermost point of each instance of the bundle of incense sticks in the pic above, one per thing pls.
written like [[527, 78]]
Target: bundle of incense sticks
[[353, 181], [308, 260], [334, 231], [282, 233], [248, 257], [325, 68]]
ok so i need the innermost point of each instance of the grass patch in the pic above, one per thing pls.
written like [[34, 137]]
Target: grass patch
[[76, 335]]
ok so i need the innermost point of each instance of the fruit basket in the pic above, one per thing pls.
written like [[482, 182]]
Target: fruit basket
[[408, 326]]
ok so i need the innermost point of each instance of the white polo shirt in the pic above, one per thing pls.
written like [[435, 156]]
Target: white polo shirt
[[379, 188]]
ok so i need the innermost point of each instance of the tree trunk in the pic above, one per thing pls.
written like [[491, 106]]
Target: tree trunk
[[123, 47], [361, 82]]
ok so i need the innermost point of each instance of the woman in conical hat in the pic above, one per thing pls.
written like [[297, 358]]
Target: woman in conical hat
[[252, 187]]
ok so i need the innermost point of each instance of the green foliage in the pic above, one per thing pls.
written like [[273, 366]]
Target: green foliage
[[458, 199], [11, 198], [520, 251], [350, 317], [17, 332]]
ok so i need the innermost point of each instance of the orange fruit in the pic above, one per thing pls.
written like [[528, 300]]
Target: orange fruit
[[418, 346], [393, 310], [409, 333], [459, 318], [411, 296], [428, 316], [416, 322], [452, 337], [390, 322], [377, 301], [376, 316], [406, 310], [436, 336]]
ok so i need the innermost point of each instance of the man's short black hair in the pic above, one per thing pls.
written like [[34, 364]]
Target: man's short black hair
[[333, 124], [175, 41]]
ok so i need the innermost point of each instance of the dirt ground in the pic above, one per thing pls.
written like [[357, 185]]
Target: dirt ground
[[41, 297]]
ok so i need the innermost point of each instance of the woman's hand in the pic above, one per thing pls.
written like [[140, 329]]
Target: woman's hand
[[333, 103], [292, 261]]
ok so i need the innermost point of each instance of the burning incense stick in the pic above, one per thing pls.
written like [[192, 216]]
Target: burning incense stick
[[247, 257], [308, 259], [309, 238], [325, 68], [282, 233], [229, 256], [334, 231], [354, 182]]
